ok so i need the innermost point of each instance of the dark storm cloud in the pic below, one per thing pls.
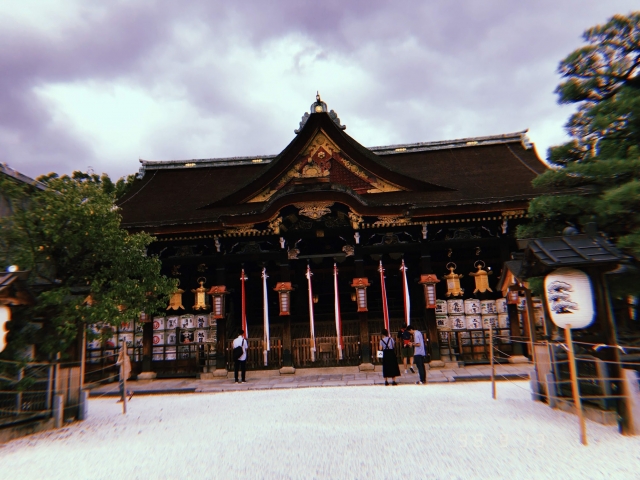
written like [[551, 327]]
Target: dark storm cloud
[[429, 70]]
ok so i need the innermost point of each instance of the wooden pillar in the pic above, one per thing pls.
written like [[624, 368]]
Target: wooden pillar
[[604, 312], [221, 327], [430, 313], [365, 348], [147, 345], [287, 358], [516, 333]]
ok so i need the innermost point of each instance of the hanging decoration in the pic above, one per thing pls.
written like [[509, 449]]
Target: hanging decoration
[[337, 311], [453, 281], [217, 293], [385, 306], [175, 302], [312, 300], [284, 290], [360, 295], [265, 302], [481, 277], [428, 281], [201, 295], [243, 278], [570, 298], [405, 294]]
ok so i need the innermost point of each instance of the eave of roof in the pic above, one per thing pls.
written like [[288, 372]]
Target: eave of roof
[[10, 172]]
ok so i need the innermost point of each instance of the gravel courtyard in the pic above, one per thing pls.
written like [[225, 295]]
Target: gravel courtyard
[[439, 431]]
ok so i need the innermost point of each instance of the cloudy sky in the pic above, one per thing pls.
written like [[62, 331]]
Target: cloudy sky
[[87, 84]]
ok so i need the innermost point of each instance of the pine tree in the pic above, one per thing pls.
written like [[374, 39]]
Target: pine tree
[[598, 170]]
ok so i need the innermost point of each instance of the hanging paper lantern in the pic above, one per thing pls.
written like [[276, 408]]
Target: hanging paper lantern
[[201, 295], [481, 278], [569, 295], [175, 302], [217, 293], [453, 281], [429, 283], [361, 284], [284, 290]]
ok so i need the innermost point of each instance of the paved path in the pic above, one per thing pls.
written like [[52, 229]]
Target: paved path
[[313, 377]]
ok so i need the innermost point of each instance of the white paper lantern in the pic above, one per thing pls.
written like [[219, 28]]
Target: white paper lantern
[[570, 298]]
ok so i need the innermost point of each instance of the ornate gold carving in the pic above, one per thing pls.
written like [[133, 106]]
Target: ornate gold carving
[[392, 220], [274, 225], [379, 185], [242, 230], [321, 141], [356, 220], [315, 210], [509, 213]]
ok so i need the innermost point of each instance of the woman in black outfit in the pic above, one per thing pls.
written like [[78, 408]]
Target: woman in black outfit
[[390, 367]]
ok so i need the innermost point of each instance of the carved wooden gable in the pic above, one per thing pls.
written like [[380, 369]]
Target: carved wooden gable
[[322, 161]]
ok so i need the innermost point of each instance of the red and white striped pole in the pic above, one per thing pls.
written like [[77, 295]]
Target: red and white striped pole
[[405, 295], [244, 305], [311, 322], [385, 306]]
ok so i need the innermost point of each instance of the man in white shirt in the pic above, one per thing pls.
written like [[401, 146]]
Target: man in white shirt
[[419, 354], [240, 363]]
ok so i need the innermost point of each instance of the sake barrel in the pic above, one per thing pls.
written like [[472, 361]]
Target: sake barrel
[[202, 321], [458, 322], [158, 323], [441, 307], [489, 321], [474, 322], [465, 338], [186, 321], [126, 337], [472, 306], [503, 320], [201, 336], [172, 323], [158, 338], [455, 306], [442, 322], [488, 307], [501, 305], [522, 303], [170, 337], [170, 354], [477, 338]]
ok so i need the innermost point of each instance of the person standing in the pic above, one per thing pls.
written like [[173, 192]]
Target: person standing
[[240, 363], [419, 354], [407, 348], [390, 367]]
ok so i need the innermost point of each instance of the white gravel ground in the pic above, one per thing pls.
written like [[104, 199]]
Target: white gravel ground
[[436, 431]]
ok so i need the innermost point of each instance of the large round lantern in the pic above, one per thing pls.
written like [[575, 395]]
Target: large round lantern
[[570, 298]]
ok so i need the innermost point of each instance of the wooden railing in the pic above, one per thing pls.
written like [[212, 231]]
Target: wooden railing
[[326, 351], [255, 354]]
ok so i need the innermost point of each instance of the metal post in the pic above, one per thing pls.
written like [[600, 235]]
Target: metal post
[[574, 386], [493, 367]]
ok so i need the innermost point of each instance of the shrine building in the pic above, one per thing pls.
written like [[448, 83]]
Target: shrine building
[[318, 248]]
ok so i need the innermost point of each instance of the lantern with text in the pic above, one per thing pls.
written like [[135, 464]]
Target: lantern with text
[[361, 284], [429, 282], [453, 281], [513, 295], [284, 290], [201, 295], [570, 298], [217, 300]]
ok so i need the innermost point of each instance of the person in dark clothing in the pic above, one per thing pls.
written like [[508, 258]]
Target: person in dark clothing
[[390, 367], [404, 335]]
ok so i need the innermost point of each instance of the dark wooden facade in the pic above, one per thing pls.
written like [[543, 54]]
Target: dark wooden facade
[[326, 199]]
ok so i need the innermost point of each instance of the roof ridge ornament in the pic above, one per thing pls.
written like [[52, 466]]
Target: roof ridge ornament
[[319, 107]]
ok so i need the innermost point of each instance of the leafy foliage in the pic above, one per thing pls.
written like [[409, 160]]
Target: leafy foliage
[[599, 169], [85, 269]]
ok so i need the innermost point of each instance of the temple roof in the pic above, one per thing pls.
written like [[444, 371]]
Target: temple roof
[[323, 162]]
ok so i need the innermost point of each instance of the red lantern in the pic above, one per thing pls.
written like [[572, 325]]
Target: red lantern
[[284, 290], [361, 284], [217, 295], [429, 282]]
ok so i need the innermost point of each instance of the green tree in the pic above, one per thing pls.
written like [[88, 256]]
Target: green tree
[[598, 171], [85, 269]]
